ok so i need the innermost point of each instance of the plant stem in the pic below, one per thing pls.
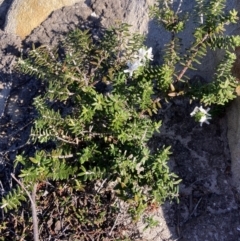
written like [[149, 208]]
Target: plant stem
[[189, 62], [33, 205]]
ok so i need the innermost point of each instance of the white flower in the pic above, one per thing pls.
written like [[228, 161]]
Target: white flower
[[144, 55], [201, 115], [141, 54], [149, 54], [93, 14], [132, 67]]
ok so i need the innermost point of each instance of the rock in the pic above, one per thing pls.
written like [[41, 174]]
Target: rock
[[10, 46], [25, 15], [4, 6], [134, 13], [61, 21]]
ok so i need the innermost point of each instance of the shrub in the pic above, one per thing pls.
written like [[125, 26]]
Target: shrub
[[98, 101], [95, 112]]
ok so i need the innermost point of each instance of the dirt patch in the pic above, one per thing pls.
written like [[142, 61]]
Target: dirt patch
[[208, 207]]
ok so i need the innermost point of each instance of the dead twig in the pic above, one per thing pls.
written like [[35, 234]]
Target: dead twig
[[195, 208], [114, 225], [33, 205], [102, 185]]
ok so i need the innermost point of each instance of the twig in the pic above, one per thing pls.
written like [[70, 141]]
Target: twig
[[62, 157], [12, 149], [21, 128], [195, 207], [33, 205], [101, 185], [189, 62], [66, 141], [115, 223]]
